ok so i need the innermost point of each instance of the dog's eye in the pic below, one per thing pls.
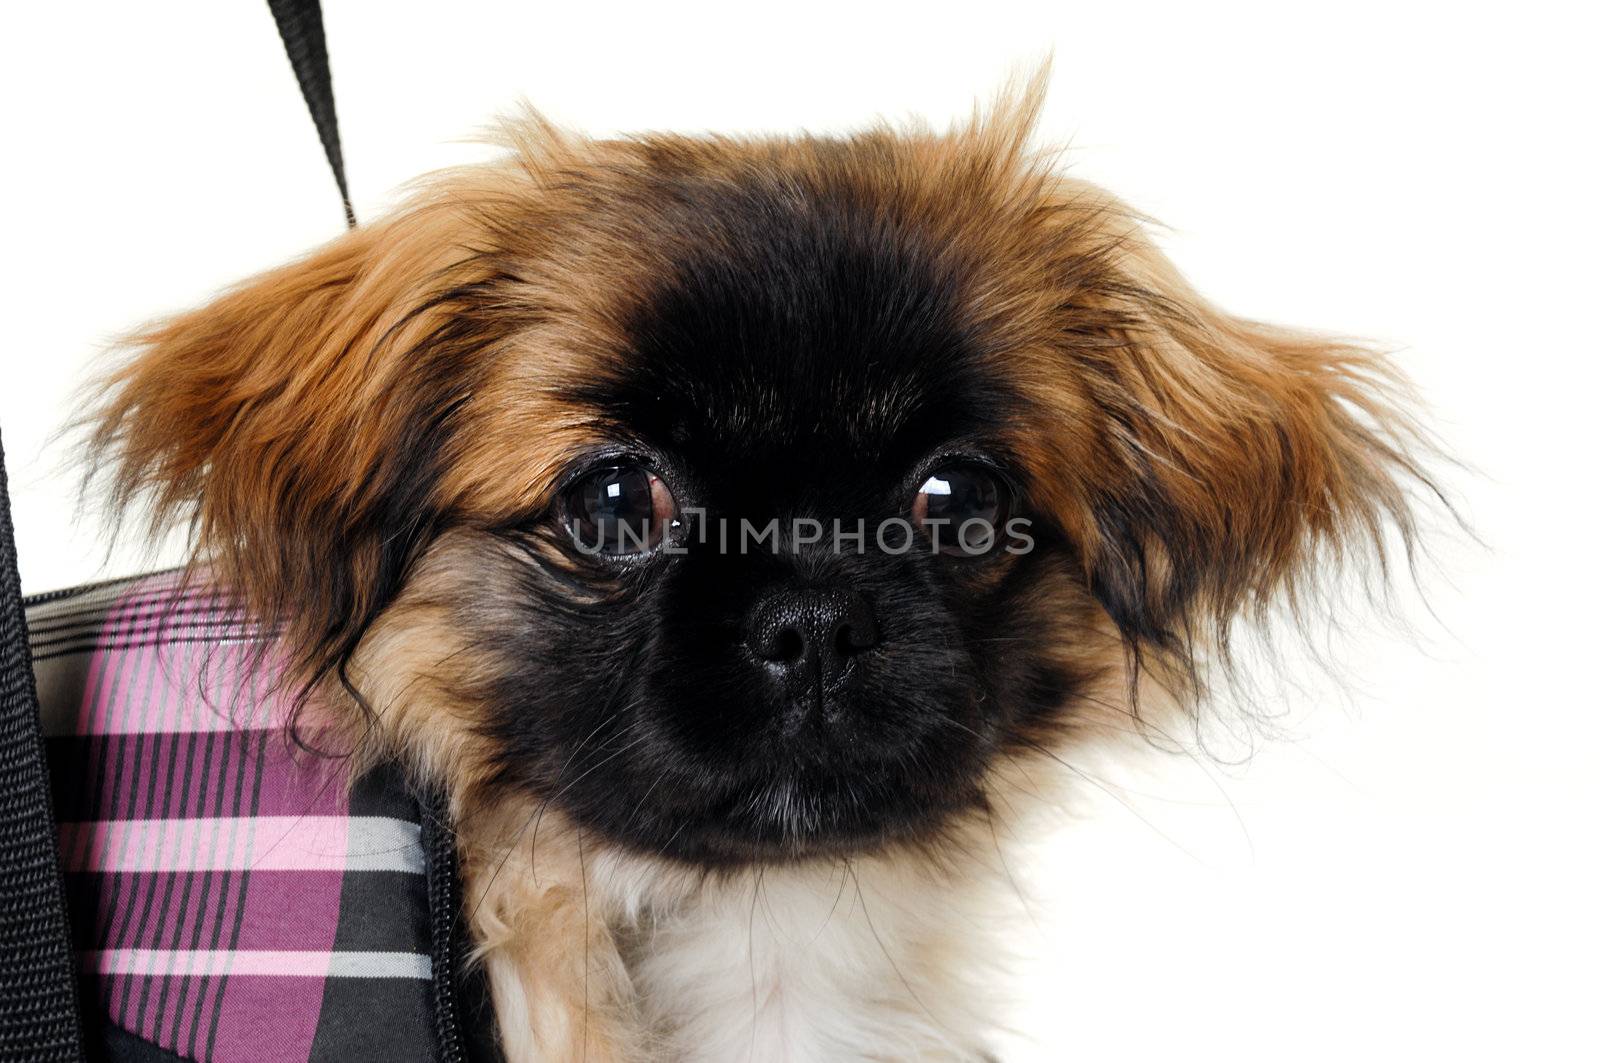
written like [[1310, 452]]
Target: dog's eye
[[962, 508], [620, 511]]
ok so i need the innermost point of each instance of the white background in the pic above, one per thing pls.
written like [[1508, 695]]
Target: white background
[[1411, 873]]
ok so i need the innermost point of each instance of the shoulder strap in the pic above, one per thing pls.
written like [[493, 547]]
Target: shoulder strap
[[39, 1017], [300, 26], [38, 987]]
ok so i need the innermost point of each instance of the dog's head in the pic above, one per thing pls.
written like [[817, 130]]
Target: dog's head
[[748, 499]]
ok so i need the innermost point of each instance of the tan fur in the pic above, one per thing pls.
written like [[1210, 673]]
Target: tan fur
[[1204, 465]]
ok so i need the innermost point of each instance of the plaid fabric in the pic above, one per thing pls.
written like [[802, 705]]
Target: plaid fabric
[[232, 897]]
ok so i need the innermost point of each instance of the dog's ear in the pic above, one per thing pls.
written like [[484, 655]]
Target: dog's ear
[[1215, 464], [299, 424]]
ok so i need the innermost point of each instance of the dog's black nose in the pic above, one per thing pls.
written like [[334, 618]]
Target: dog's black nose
[[812, 636]]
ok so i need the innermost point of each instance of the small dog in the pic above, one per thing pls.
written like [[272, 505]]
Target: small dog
[[739, 529]]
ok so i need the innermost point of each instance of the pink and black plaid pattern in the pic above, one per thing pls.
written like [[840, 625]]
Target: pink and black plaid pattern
[[232, 897]]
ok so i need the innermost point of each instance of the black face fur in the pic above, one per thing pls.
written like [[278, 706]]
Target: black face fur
[[809, 362]]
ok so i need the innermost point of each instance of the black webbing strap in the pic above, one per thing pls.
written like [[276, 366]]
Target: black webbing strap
[[457, 992], [38, 988], [300, 26], [39, 1018]]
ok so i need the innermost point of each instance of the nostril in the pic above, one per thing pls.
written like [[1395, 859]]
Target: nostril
[[788, 647]]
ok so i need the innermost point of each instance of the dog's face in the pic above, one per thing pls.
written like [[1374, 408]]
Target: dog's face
[[772, 655], [750, 501]]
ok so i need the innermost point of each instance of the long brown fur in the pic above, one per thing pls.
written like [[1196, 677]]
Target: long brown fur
[[342, 434]]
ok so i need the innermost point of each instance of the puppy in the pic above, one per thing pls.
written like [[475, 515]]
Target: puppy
[[739, 529]]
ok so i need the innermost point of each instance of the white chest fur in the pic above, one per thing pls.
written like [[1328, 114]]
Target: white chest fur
[[597, 954], [833, 963]]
